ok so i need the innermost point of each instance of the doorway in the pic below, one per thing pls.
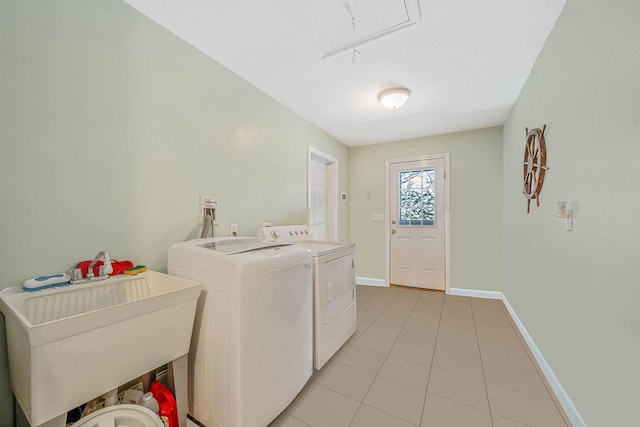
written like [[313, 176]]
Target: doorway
[[418, 222], [322, 195]]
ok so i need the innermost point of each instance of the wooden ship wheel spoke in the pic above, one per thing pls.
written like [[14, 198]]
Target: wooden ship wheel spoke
[[535, 165]]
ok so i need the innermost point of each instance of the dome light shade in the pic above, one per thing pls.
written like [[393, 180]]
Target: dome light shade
[[394, 98]]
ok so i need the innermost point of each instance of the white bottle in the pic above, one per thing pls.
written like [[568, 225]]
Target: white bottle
[[150, 402], [133, 396]]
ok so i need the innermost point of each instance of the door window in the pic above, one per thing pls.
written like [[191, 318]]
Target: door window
[[417, 197]]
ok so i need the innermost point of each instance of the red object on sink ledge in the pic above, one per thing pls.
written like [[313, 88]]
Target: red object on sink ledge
[[118, 267]]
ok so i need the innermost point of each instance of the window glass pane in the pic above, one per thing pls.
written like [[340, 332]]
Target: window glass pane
[[417, 197]]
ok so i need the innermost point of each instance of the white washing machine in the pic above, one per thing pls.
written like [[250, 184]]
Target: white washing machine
[[251, 350], [334, 320]]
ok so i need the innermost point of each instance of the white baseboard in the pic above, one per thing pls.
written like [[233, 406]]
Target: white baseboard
[[475, 293], [562, 396], [370, 282]]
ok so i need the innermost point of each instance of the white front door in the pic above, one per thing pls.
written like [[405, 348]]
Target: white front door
[[417, 209]]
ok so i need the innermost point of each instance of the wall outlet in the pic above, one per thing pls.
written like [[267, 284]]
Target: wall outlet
[[234, 230], [209, 202]]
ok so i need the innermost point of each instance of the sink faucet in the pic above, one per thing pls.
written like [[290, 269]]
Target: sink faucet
[[106, 268]]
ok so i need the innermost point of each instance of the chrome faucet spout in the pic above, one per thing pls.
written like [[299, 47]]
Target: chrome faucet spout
[[104, 256]]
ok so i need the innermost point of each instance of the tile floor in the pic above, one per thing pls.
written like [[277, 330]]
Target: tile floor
[[430, 360]]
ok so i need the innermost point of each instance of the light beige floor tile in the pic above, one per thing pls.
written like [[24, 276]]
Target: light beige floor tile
[[458, 364], [367, 315], [457, 299], [524, 407], [383, 330], [405, 372], [421, 326], [426, 316], [457, 321], [396, 399], [400, 312], [341, 352], [428, 307], [486, 303], [368, 416], [515, 359], [499, 421], [431, 302], [375, 343], [464, 310], [300, 397], [349, 381], [382, 300], [441, 412], [455, 345], [402, 304], [509, 342], [286, 420], [361, 358], [489, 315], [354, 337], [426, 339], [459, 388], [502, 327], [412, 352], [362, 325], [372, 308], [317, 375], [326, 408], [457, 332], [391, 320], [407, 337], [517, 379]]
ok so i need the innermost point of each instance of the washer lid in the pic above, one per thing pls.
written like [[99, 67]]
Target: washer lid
[[250, 257], [121, 416], [240, 245]]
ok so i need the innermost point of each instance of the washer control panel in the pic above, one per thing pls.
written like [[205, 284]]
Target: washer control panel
[[285, 233]]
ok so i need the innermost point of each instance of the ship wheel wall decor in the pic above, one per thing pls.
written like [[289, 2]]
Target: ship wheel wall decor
[[535, 165]]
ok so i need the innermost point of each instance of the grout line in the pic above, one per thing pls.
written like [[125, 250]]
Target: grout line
[[395, 340], [435, 345], [484, 377]]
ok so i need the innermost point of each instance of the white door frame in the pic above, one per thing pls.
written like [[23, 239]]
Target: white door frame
[[331, 231], [387, 225]]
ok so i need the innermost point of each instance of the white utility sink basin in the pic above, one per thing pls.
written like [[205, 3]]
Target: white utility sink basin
[[70, 344]]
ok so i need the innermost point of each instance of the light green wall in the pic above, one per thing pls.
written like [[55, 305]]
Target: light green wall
[[110, 129], [578, 292], [476, 204]]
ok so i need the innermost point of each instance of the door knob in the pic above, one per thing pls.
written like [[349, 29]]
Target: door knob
[[393, 231], [393, 221]]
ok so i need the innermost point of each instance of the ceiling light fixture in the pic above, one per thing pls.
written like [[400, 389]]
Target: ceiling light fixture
[[394, 98]]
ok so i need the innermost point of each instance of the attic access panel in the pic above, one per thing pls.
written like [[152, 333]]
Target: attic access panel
[[328, 25]]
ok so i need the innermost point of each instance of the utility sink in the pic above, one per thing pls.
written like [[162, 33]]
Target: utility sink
[[70, 344]]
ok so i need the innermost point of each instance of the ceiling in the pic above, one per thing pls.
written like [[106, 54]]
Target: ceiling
[[464, 61]]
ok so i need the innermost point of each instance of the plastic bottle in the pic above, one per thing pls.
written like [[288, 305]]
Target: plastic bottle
[[133, 396], [150, 402], [168, 408]]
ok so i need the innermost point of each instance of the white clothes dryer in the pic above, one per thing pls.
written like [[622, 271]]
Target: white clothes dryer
[[251, 350], [334, 307]]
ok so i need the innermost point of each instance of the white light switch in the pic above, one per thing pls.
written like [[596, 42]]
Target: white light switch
[[330, 292]]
